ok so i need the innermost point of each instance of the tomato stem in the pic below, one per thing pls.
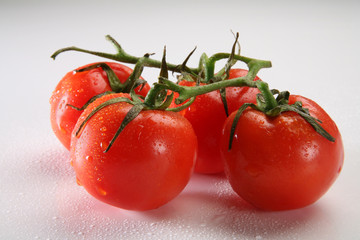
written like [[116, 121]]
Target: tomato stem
[[120, 56], [186, 92], [205, 62], [267, 100]]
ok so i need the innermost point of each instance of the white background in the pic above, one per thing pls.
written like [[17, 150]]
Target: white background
[[314, 48]]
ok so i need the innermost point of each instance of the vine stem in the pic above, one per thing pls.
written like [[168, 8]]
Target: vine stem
[[269, 99], [122, 56], [186, 92]]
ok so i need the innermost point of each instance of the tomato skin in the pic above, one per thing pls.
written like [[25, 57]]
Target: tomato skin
[[281, 163], [77, 88], [207, 116], [149, 163]]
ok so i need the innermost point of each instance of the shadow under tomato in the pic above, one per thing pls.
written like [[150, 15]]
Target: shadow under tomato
[[242, 219], [214, 207], [203, 195], [207, 205]]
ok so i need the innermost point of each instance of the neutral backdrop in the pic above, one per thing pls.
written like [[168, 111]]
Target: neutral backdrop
[[314, 48]]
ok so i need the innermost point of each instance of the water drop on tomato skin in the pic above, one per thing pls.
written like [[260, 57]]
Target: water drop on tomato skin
[[103, 146], [78, 181], [101, 191], [253, 171], [63, 128], [89, 158]]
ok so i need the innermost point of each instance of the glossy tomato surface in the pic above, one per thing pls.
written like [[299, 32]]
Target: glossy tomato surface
[[207, 116], [281, 163], [149, 163], [76, 89]]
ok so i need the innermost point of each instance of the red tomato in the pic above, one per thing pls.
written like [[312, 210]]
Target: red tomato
[[77, 88], [149, 163], [281, 163], [207, 116]]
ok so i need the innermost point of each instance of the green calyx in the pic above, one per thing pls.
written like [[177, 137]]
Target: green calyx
[[273, 107], [132, 114], [116, 85], [157, 98]]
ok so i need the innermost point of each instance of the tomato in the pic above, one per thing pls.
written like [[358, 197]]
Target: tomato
[[77, 88], [149, 163], [281, 163], [207, 116]]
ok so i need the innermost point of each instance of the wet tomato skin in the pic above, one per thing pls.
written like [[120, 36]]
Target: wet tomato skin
[[149, 163], [77, 88], [281, 163], [207, 115]]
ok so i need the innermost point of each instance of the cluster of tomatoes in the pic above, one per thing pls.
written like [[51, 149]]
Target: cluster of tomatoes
[[140, 158]]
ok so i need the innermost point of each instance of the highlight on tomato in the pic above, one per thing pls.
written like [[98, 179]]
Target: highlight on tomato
[[281, 162], [82, 85], [148, 164]]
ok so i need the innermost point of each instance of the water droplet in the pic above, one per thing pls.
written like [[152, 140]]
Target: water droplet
[[89, 158], [101, 191], [253, 171], [61, 105], [78, 181], [63, 128], [104, 145], [103, 129]]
